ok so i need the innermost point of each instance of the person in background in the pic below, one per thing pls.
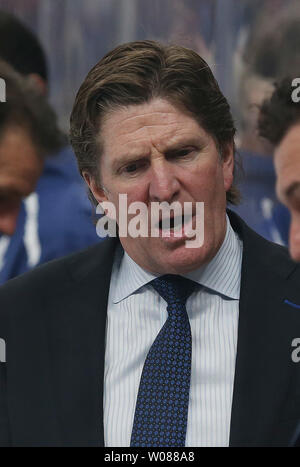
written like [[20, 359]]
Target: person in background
[[279, 123], [268, 51], [55, 219], [28, 130]]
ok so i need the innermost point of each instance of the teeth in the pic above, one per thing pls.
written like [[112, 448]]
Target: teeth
[[175, 222]]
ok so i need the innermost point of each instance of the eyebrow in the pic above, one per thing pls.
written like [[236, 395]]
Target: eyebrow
[[135, 156], [127, 159], [198, 142]]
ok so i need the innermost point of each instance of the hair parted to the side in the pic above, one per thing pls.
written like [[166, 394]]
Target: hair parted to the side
[[135, 73], [279, 113]]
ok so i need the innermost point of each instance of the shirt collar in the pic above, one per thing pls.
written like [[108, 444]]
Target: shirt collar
[[221, 275]]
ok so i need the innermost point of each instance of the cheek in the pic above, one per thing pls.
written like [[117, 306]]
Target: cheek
[[132, 194], [207, 181], [135, 191]]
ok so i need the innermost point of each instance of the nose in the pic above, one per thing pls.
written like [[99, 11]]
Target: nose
[[8, 221], [164, 185], [294, 240]]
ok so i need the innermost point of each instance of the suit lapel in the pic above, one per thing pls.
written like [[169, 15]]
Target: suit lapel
[[263, 349], [77, 347]]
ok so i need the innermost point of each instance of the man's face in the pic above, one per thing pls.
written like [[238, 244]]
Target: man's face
[[154, 152], [20, 167], [287, 166]]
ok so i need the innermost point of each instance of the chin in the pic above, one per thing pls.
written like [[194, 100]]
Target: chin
[[182, 262]]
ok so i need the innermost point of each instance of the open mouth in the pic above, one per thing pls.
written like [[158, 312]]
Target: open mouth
[[174, 222]]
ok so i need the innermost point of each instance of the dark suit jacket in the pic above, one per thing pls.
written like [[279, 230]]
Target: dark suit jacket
[[53, 321]]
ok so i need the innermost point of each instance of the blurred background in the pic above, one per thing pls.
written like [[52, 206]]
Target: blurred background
[[248, 43], [75, 34]]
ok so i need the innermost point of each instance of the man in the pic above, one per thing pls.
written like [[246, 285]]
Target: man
[[279, 123], [28, 130], [144, 341], [55, 219]]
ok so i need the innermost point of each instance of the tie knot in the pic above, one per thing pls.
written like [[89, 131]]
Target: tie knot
[[173, 288]]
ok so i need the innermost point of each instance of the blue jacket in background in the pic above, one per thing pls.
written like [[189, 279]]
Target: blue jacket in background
[[54, 221], [259, 207]]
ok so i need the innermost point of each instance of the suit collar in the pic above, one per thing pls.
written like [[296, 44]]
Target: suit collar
[[259, 252], [264, 337], [96, 260]]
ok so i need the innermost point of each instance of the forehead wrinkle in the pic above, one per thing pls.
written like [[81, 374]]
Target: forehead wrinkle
[[142, 116], [146, 137], [163, 114], [139, 134], [147, 128], [163, 142], [145, 148], [115, 119], [158, 141]]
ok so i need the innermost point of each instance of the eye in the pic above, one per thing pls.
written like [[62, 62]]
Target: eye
[[133, 167], [181, 153], [9, 204], [184, 152]]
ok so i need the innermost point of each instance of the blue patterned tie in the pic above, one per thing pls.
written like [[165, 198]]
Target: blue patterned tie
[[162, 403]]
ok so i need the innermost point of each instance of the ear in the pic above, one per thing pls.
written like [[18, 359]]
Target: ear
[[228, 165], [98, 192]]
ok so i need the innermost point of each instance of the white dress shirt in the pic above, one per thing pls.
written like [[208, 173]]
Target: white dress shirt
[[4, 244], [135, 315]]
